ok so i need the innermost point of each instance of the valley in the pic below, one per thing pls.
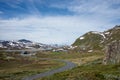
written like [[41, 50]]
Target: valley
[[59, 39], [83, 60]]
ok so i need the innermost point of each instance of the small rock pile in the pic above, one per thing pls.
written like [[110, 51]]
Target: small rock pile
[[112, 53]]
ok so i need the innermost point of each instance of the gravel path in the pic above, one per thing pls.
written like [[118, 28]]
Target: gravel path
[[68, 65]]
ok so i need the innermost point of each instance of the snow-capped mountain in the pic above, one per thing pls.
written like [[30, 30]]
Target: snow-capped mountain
[[20, 44], [27, 44]]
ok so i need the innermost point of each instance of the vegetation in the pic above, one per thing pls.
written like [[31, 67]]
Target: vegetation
[[94, 70], [67, 55], [15, 67], [98, 40], [114, 34], [90, 41], [90, 67]]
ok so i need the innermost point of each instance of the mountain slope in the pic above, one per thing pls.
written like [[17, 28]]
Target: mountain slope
[[97, 40], [112, 34]]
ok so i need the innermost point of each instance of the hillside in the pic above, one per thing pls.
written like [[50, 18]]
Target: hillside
[[112, 34], [97, 40]]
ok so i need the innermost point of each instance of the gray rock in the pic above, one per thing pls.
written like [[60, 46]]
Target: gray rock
[[112, 53]]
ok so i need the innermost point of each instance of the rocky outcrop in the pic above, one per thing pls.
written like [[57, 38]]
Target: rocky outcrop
[[112, 53]]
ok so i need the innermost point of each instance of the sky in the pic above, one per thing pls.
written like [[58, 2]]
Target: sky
[[56, 21]]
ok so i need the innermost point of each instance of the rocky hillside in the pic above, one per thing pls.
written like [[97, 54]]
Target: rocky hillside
[[97, 40], [112, 54], [112, 34]]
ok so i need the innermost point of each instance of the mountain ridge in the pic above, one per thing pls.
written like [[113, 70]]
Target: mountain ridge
[[19, 44], [94, 40]]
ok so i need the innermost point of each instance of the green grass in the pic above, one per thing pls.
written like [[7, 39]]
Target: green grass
[[66, 55], [89, 71], [16, 67], [90, 41], [77, 58]]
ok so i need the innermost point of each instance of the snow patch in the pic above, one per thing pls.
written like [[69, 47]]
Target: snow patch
[[100, 33], [1, 45], [73, 47], [11, 44], [95, 32], [103, 35], [90, 51], [81, 38], [107, 33]]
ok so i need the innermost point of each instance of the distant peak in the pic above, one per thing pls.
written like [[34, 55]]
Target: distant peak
[[24, 40]]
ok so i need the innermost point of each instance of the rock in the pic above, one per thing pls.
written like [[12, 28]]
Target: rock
[[112, 53]]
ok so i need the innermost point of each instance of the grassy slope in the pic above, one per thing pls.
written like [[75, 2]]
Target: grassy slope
[[114, 35], [90, 40], [96, 41], [90, 67], [90, 71]]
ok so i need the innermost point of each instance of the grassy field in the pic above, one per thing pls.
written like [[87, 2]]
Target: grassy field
[[78, 58], [94, 70], [66, 55], [15, 67], [90, 67]]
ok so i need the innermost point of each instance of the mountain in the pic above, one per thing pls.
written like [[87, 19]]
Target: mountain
[[20, 44], [90, 40], [25, 41], [97, 40], [27, 44], [112, 34]]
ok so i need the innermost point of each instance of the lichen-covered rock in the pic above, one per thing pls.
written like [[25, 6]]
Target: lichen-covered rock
[[112, 53]]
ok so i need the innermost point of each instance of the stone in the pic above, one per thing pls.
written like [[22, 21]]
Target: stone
[[112, 54]]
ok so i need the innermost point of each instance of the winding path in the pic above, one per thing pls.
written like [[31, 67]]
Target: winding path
[[68, 65]]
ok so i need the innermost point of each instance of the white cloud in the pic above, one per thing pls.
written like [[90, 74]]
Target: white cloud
[[106, 8], [103, 8], [55, 29], [89, 15]]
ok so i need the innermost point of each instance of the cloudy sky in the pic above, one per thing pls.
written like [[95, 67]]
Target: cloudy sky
[[56, 21]]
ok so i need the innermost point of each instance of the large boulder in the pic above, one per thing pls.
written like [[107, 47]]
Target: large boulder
[[112, 53]]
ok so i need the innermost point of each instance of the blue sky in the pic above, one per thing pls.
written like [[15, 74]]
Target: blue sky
[[56, 21]]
